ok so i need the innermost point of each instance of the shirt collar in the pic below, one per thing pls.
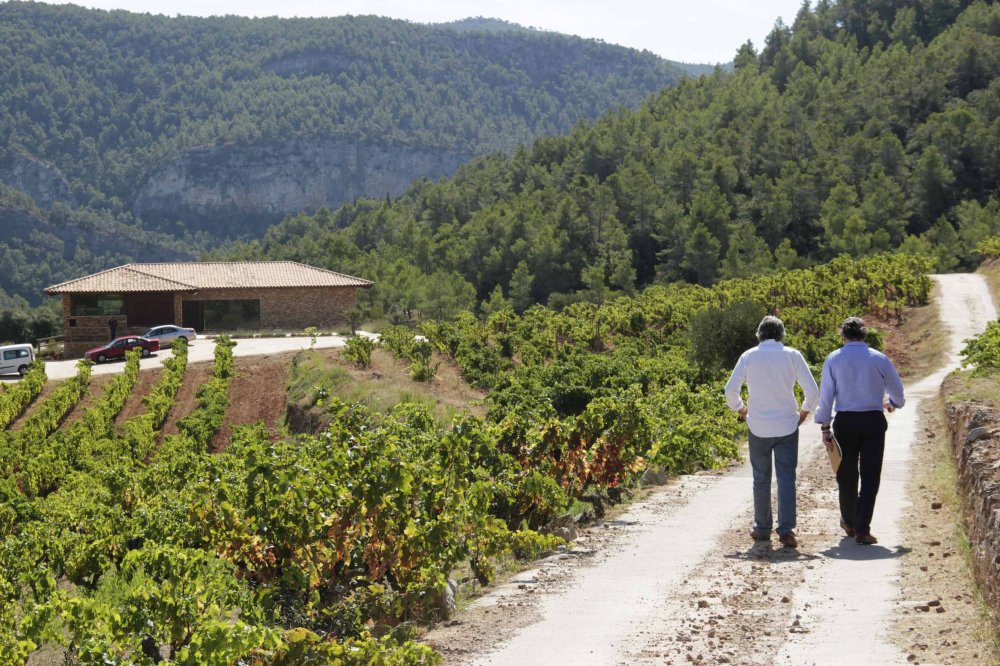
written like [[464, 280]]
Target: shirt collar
[[769, 343], [855, 343]]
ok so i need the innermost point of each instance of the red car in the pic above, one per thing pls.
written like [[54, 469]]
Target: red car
[[117, 348]]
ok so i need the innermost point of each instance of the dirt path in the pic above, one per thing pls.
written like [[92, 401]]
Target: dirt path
[[47, 389], [93, 394], [133, 405], [186, 401], [680, 581], [256, 394]]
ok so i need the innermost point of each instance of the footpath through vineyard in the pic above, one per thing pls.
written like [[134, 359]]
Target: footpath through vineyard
[[676, 579]]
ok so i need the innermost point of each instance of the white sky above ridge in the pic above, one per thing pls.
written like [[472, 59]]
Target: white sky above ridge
[[703, 31]]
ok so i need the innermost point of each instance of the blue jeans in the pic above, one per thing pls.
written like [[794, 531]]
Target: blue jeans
[[786, 458]]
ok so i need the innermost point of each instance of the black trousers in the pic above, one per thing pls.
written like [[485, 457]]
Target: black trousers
[[862, 439]]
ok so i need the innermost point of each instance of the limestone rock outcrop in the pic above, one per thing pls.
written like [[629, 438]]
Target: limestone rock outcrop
[[40, 180], [240, 190]]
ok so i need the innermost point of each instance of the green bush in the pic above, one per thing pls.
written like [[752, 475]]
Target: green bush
[[358, 350], [422, 368], [983, 351], [720, 335], [398, 340]]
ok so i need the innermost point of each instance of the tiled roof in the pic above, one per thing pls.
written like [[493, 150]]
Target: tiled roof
[[191, 276]]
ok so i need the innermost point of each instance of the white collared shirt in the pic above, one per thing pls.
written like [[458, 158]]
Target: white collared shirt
[[770, 370]]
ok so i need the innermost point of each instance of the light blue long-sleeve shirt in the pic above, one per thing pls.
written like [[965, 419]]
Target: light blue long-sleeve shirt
[[856, 378]]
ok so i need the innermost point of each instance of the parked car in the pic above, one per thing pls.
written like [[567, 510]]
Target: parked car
[[169, 333], [16, 358], [117, 348]]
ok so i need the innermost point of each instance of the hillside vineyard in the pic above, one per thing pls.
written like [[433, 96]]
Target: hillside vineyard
[[318, 548], [595, 287]]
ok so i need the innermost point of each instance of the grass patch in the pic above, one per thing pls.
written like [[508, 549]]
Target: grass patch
[[916, 345], [963, 386], [990, 269], [317, 374], [312, 377]]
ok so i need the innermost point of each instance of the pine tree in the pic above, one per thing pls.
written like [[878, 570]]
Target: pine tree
[[521, 283]]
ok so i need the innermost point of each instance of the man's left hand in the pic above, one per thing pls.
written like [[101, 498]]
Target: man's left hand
[[743, 413]]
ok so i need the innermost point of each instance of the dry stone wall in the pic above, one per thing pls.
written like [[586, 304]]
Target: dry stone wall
[[975, 440]]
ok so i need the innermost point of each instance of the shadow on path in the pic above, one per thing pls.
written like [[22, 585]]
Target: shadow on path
[[849, 550], [765, 552]]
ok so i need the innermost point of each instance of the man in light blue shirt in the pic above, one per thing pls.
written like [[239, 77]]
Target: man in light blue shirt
[[770, 370], [857, 380]]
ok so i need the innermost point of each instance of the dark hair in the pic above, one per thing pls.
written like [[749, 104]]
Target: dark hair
[[770, 328], [854, 329]]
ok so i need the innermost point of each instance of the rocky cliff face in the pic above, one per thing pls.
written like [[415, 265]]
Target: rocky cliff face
[[975, 440], [38, 179], [240, 190]]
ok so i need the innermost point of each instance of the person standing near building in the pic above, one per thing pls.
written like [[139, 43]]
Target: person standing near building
[[856, 381], [770, 371]]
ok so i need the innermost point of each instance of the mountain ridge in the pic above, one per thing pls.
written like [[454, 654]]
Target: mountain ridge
[[122, 115]]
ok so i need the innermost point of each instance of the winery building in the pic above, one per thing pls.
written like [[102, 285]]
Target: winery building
[[206, 296]]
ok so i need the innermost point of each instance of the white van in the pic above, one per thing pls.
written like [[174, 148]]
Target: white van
[[16, 358]]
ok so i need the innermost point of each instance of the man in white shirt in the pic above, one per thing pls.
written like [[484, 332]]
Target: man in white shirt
[[770, 370]]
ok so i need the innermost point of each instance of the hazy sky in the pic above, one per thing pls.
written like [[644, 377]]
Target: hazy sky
[[706, 31]]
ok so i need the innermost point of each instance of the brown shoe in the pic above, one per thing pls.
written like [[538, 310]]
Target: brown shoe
[[757, 535], [848, 530], [866, 539], [788, 540]]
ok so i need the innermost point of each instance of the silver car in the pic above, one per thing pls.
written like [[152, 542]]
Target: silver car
[[168, 333]]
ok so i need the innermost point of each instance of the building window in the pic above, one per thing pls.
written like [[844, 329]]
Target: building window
[[97, 305], [231, 315]]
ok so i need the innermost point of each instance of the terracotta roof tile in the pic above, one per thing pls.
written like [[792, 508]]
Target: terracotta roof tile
[[190, 276]]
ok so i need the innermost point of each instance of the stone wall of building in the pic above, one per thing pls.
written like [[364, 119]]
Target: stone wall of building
[[290, 308], [83, 333]]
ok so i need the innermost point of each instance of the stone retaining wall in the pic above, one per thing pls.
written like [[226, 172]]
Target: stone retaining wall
[[975, 441]]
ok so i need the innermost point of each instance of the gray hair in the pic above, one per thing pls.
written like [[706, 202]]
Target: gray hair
[[853, 329], [771, 328]]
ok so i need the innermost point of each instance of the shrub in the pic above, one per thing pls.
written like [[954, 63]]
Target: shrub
[[398, 340], [358, 350], [983, 351], [422, 369], [720, 335]]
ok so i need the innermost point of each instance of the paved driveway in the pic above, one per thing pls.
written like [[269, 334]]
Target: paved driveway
[[200, 350]]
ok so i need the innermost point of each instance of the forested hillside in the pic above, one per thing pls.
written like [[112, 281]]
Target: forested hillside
[[862, 127], [216, 128]]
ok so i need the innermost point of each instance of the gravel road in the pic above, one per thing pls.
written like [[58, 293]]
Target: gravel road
[[677, 580]]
